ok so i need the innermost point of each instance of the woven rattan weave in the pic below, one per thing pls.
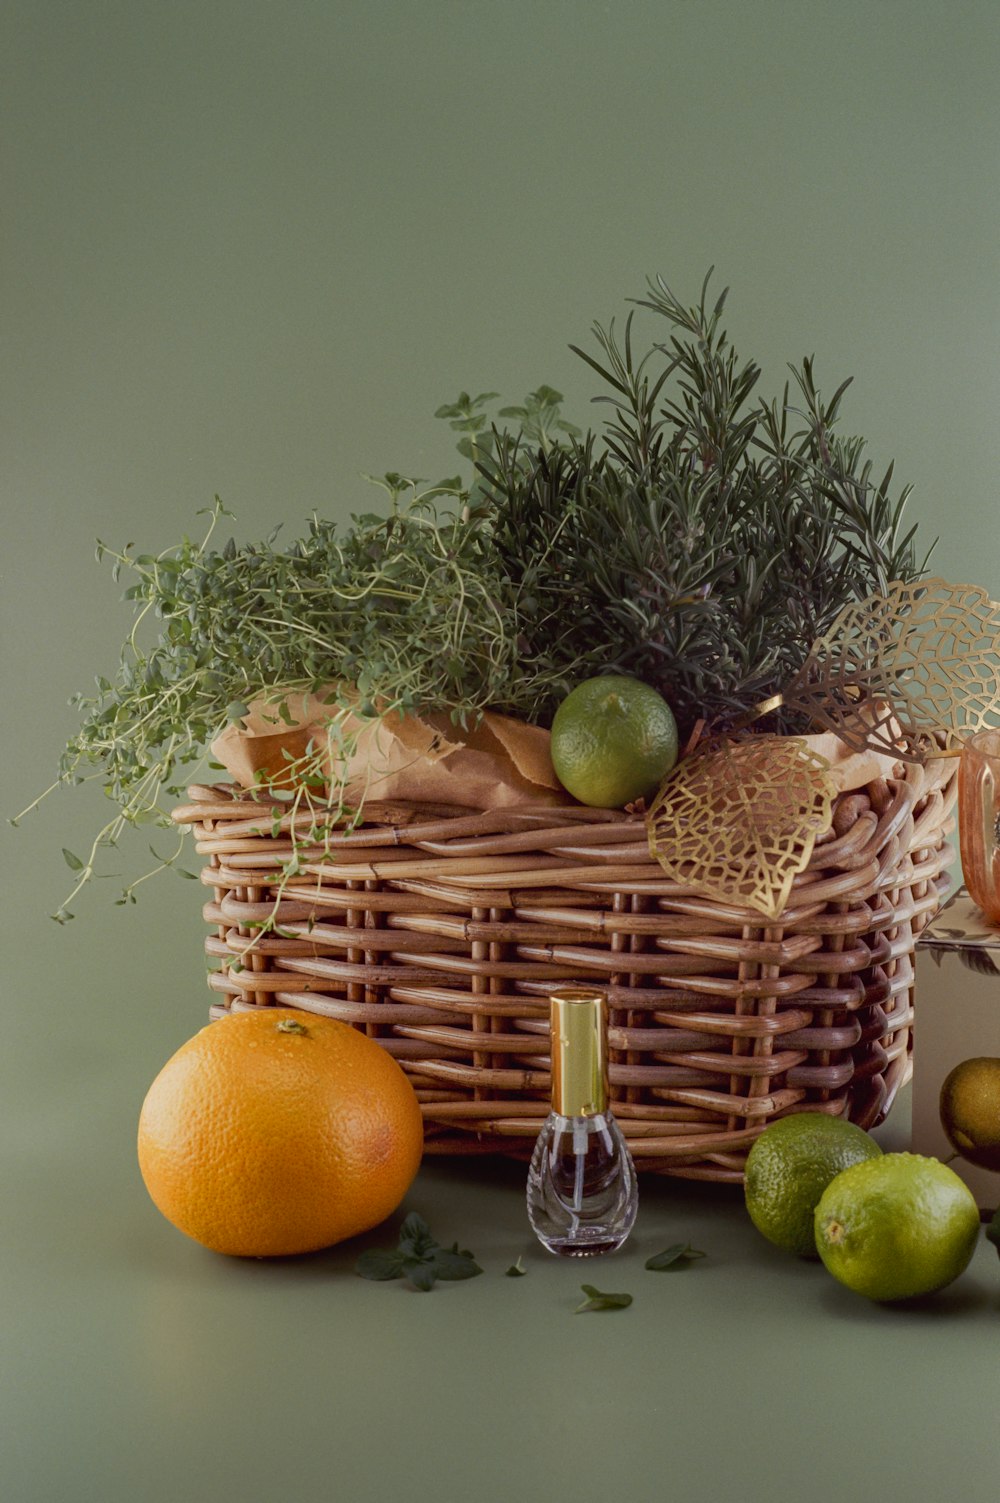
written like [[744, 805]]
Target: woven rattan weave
[[441, 933]]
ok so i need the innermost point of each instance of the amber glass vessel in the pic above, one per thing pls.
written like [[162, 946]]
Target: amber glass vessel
[[978, 820]]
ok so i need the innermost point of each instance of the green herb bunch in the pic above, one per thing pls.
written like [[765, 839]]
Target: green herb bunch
[[401, 612], [700, 539], [704, 540]]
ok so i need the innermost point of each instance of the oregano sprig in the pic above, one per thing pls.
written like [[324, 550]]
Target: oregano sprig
[[418, 1258]]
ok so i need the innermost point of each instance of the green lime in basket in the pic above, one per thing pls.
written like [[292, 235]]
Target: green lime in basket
[[614, 739]]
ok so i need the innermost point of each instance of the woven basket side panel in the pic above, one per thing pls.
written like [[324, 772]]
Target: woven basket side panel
[[442, 938]]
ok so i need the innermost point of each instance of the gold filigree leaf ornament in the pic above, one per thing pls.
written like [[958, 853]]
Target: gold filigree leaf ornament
[[738, 818], [907, 674]]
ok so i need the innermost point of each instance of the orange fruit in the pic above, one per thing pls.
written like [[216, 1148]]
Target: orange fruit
[[274, 1132], [614, 739]]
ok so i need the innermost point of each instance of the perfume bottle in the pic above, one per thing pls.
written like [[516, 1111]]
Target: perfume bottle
[[582, 1191]]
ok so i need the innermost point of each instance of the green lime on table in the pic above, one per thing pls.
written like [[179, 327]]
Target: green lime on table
[[897, 1227], [788, 1168], [614, 739]]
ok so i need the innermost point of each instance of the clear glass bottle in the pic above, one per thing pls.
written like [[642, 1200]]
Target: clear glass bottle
[[582, 1190]]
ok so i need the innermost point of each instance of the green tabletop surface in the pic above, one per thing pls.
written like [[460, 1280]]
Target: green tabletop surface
[[139, 1365], [248, 250]]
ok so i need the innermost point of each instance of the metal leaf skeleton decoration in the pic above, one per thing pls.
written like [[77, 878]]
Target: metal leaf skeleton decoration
[[908, 672], [738, 819]]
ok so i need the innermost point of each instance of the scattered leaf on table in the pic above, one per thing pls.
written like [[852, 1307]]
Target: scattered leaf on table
[[415, 1235], [516, 1270], [677, 1256], [418, 1258], [449, 1263], [598, 1300], [380, 1263]]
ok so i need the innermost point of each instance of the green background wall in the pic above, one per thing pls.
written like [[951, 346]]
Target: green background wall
[[249, 248]]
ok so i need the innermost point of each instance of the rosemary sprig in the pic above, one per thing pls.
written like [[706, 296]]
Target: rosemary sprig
[[706, 537]]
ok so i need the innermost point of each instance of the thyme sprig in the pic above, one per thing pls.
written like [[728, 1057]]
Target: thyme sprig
[[404, 611]]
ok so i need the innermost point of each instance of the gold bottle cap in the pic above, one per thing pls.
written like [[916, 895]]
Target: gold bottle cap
[[578, 1025]]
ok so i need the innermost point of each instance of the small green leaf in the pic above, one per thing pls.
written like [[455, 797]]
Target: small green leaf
[[380, 1263], [677, 1256], [419, 1258], [415, 1236], [516, 1270], [73, 862], [597, 1299], [450, 1264]]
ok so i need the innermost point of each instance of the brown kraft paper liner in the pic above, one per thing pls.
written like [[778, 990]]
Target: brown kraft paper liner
[[500, 763]]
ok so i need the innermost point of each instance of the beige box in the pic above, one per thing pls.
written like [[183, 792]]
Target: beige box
[[957, 1019]]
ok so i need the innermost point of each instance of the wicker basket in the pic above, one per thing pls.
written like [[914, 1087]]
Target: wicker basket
[[441, 933]]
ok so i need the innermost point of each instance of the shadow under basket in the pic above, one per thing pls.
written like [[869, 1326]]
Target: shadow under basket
[[441, 933]]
